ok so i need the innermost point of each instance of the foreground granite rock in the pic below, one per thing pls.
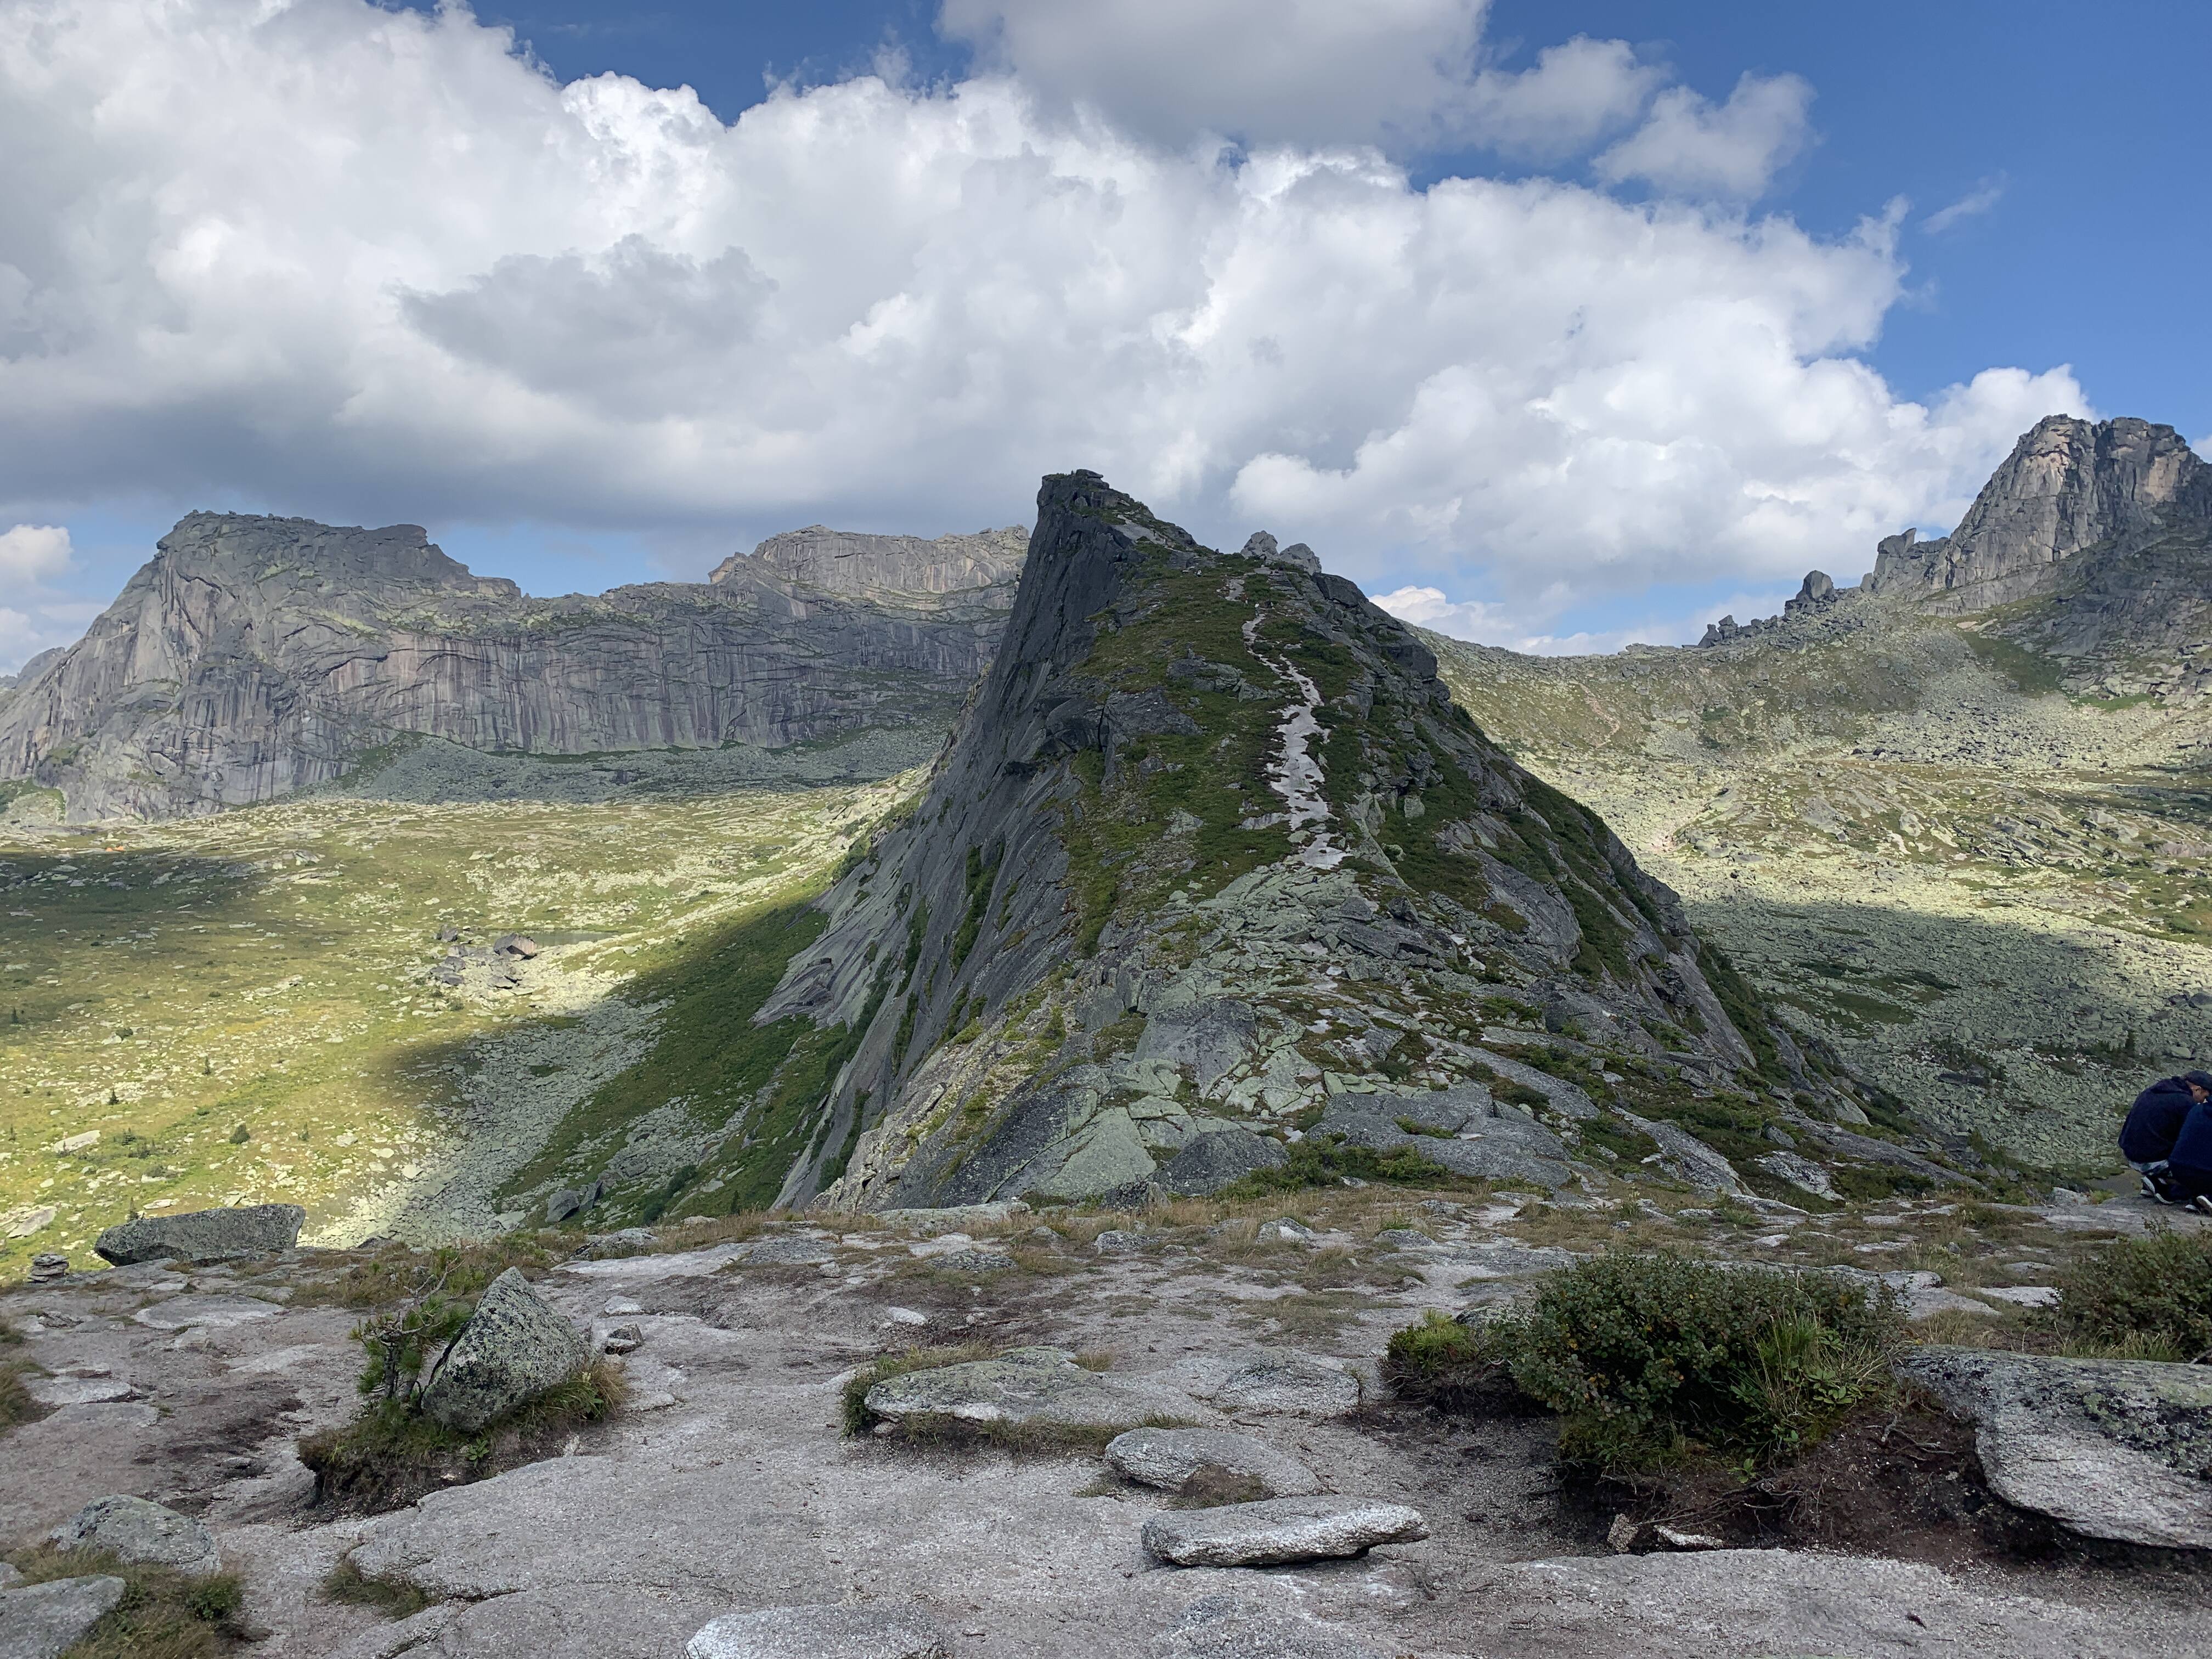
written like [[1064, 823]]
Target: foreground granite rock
[[136, 1529], [1213, 1463], [2119, 1449], [43, 1621], [1235, 1627], [822, 1632], [1025, 1386], [1277, 1530], [220, 1235], [514, 1348]]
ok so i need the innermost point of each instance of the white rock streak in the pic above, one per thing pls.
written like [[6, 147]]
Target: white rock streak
[[1296, 774]]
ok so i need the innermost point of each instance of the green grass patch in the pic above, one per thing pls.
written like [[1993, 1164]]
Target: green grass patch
[[2139, 1298], [1310, 1163], [2029, 673], [393, 1596]]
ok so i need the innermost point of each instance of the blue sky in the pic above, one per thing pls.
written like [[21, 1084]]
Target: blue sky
[[1648, 369]]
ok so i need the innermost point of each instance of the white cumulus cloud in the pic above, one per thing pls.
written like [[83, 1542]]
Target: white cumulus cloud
[[33, 553], [1690, 146], [372, 265]]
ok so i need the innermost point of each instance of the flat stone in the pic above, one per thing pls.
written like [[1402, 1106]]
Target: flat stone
[[222, 1235], [822, 1632], [975, 1261], [218, 1312], [515, 1347], [1285, 1380], [43, 1621], [1284, 1230], [136, 1529], [1234, 1627], [1198, 1462], [1025, 1385], [786, 1252], [1278, 1530], [2113, 1449], [2023, 1296], [66, 1390]]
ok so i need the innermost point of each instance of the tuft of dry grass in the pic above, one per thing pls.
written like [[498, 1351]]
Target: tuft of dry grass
[[163, 1614], [393, 1596]]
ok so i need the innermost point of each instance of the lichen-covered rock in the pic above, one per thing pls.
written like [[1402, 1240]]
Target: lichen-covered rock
[[2114, 1448], [822, 1632], [1022, 1386], [137, 1529], [516, 1346], [1285, 1380], [1216, 1159], [220, 1235], [43, 1621], [1462, 1129], [1209, 1462], [1280, 1529]]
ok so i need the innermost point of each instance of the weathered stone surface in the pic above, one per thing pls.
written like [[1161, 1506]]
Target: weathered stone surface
[[220, 1235], [1469, 1134], [1024, 1386], [1208, 1162], [137, 1529], [1285, 1380], [1682, 1154], [254, 656], [1800, 1172], [43, 1621], [1208, 1461], [2110, 1448], [1277, 1530], [1233, 1627], [513, 1348], [824, 1632]]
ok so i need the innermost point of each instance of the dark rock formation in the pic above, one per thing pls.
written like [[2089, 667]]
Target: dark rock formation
[[2067, 487], [1816, 594], [255, 656], [220, 1235], [1213, 845]]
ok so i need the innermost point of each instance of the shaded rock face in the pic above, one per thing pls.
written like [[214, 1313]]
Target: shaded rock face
[[2069, 485], [220, 1235], [253, 656], [514, 1348], [1210, 833]]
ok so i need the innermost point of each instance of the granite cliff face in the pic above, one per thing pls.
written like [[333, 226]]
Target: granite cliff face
[[2068, 487], [253, 656], [1213, 867]]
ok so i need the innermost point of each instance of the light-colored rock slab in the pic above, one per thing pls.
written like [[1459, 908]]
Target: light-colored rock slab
[[214, 1312], [43, 1621], [222, 1235], [1199, 1460], [1235, 1627], [1277, 1530], [1285, 1380], [2111, 1449], [1024, 1385], [822, 1632], [138, 1530]]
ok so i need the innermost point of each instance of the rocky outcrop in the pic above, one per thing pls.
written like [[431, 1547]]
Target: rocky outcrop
[[220, 1235], [255, 656], [2069, 485], [1213, 847], [1815, 594]]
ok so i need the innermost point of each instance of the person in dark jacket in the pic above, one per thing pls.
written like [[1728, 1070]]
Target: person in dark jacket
[[2156, 1123], [2187, 1177]]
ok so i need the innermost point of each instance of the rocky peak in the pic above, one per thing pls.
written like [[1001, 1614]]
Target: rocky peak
[[2069, 485], [289, 554], [1817, 593], [1211, 848], [878, 567]]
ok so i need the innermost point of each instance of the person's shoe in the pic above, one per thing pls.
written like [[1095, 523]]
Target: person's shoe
[[2158, 1186], [2202, 1204], [2151, 1192]]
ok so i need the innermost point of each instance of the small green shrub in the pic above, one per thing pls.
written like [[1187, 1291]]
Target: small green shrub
[[1314, 1163], [2144, 1298], [1647, 1355]]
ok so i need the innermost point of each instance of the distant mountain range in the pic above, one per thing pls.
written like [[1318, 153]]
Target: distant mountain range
[[253, 656]]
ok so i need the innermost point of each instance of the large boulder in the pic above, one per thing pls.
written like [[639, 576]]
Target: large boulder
[[1463, 1130], [43, 1621], [137, 1529], [1278, 1530], [822, 1632], [1209, 1463], [203, 1235], [1215, 1158], [514, 1348], [1040, 1386], [2114, 1448]]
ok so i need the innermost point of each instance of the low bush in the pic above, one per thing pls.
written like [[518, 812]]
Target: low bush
[[1312, 1163], [163, 1614], [2139, 1298], [1650, 1356]]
